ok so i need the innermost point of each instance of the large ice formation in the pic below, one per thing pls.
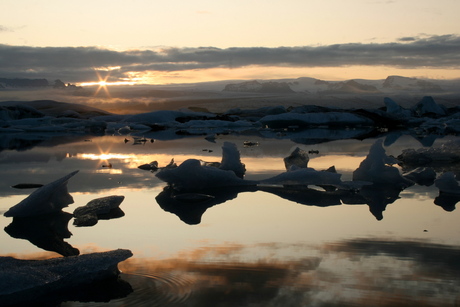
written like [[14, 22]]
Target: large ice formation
[[231, 160], [298, 158], [23, 282], [376, 169], [305, 176], [191, 175], [50, 198]]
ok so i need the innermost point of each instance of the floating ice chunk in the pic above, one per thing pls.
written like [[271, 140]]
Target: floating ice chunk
[[28, 282], [152, 166], [163, 116], [304, 176], [298, 157], [446, 183], [47, 129], [447, 153], [375, 168], [452, 125], [231, 160], [191, 175], [104, 208], [395, 109], [428, 106], [422, 176], [50, 198], [315, 119], [213, 123]]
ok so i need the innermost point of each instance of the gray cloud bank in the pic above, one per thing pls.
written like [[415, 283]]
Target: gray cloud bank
[[76, 64]]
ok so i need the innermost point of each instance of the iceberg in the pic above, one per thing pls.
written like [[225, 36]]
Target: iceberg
[[305, 176], [396, 110], [37, 282], [447, 154], [315, 119], [99, 208], [422, 176], [50, 198], [231, 159], [163, 117], [427, 106], [191, 175], [376, 169], [298, 158]]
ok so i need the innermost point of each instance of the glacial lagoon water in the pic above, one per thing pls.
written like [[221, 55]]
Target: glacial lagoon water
[[247, 248]]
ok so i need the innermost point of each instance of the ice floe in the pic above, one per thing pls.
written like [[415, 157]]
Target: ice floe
[[40, 282], [304, 124], [376, 168], [192, 175], [50, 198], [100, 208]]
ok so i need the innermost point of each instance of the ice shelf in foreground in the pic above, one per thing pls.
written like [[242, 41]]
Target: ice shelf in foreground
[[30, 280]]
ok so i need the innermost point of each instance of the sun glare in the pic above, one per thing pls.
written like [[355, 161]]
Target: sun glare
[[103, 84]]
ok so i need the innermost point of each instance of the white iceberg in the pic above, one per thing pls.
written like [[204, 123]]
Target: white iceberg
[[231, 159], [191, 175], [428, 106], [375, 168], [395, 109]]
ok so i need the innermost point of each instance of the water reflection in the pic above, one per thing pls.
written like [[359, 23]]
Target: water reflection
[[353, 272], [190, 207], [46, 231], [304, 195], [359, 272], [447, 201]]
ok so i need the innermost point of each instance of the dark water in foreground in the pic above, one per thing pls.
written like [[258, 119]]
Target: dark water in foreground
[[247, 248]]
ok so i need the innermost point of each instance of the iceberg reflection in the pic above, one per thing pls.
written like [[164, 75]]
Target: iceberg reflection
[[46, 231]]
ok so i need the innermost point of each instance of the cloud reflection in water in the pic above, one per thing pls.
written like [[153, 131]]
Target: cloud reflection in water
[[361, 272]]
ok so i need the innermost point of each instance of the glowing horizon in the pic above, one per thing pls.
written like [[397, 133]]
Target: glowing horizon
[[240, 40]]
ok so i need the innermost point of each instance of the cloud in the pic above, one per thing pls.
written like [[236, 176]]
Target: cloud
[[4, 29], [78, 63]]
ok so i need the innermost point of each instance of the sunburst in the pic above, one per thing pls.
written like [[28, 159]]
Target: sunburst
[[102, 82]]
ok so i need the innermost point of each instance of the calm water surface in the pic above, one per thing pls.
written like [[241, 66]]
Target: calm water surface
[[247, 248]]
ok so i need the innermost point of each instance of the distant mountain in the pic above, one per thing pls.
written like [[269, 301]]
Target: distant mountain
[[271, 87], [17, 82], [355, 86], [34, 83], [404, 83], [347, 87]]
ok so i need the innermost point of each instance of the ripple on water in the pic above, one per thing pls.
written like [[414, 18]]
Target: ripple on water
[[169, 289]]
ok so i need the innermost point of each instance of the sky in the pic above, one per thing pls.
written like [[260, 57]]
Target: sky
[[149, 41]]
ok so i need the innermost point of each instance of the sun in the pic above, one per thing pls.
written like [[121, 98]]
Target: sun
[[102, 82]]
